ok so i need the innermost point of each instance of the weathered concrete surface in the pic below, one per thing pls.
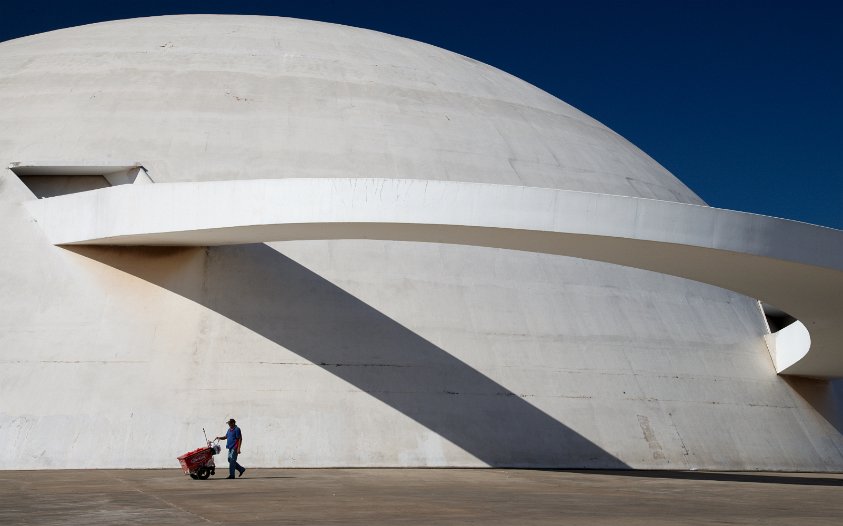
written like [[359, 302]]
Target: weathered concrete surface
[[356, 353], [387, 497], [796, 266]]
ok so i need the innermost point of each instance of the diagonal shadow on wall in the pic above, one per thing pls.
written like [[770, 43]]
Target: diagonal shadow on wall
[[269, 293], [824, 396]]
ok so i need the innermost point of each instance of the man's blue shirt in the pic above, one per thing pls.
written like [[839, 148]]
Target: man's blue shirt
[[232, 436]]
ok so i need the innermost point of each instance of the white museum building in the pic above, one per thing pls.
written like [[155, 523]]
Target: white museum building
[[374, 252]]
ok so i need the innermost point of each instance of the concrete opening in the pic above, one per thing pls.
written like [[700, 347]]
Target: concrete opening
[[50, 180], [777, 319]]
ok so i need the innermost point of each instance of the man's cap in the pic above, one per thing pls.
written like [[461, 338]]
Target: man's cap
[[231, 421]]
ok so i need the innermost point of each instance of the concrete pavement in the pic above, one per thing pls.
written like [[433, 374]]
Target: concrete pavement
[[418, 496]]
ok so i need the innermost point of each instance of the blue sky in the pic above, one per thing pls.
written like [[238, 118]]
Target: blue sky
[[742, 100]]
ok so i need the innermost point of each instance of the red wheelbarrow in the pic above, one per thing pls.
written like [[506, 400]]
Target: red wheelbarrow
[[199, 463]]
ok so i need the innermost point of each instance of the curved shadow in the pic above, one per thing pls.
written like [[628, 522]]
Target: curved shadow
[[259, 288]]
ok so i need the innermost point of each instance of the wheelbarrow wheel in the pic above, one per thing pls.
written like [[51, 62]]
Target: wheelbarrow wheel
[[203, 473], [193, 476]]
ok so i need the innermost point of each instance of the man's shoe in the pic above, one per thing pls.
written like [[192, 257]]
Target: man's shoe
[[230, 477], [241, 472]]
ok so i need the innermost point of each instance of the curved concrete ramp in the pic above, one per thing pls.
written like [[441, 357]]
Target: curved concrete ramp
[[796, 266]]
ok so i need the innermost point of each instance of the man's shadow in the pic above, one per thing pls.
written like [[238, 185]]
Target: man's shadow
[[261, 289]]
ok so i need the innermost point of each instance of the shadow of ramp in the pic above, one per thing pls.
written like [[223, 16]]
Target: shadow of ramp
[[276, 297], [824, 396]]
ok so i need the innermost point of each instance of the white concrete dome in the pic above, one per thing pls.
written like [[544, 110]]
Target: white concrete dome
[[221, 97], [354, 353]]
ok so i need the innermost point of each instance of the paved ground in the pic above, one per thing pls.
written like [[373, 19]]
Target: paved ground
[[418, 496]]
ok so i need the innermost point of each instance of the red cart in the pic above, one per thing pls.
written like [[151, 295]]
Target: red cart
[[199, 463]]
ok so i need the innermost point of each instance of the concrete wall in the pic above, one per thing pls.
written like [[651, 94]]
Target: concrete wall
[[352, 353]]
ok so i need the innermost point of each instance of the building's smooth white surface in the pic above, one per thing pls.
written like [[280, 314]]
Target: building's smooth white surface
[[796, 266], [356, 352]]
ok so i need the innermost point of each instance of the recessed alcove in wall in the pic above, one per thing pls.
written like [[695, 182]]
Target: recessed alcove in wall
[[50, 180]]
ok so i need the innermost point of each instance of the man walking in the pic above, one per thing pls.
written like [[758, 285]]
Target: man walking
[[233, 439]]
